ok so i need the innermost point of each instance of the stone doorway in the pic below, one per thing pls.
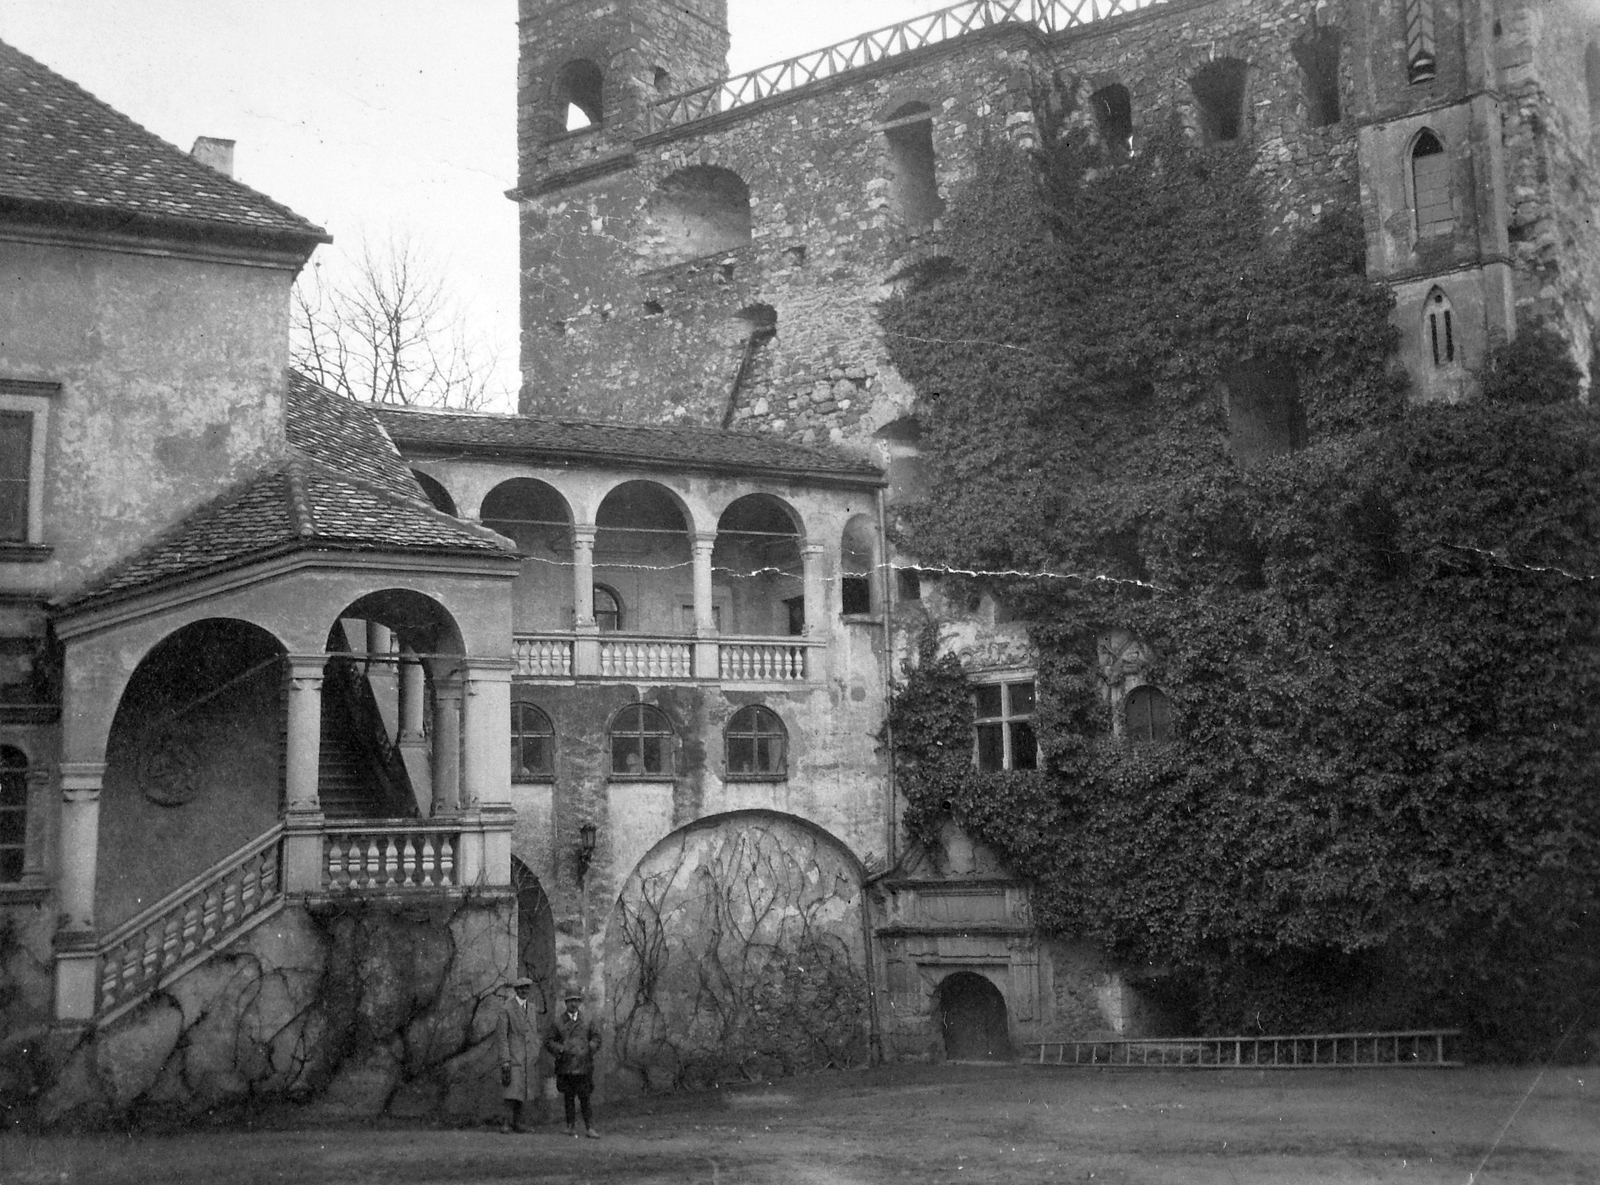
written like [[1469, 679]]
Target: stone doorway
[[972, 1018]]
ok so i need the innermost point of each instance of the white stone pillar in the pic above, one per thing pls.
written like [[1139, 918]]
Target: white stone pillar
[[447, 742], [302, 838], [413, 698], [706, 659], [815, 589], [586, 646], [76, 963], [380, 640], [303, 750], [486, 733]]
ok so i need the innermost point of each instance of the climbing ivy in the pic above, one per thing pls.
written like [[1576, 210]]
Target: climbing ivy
[[1380, 805]]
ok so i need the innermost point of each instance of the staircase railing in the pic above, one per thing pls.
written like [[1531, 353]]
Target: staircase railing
[[1051, 16], [188, 925]]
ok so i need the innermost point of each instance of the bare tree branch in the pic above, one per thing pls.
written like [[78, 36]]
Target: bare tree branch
[[390, 332]]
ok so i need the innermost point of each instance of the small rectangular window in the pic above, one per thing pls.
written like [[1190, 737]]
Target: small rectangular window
[[855, 593], [16, 472], [1004, 726]]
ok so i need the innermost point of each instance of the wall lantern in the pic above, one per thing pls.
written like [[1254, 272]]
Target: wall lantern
[[587, 835]]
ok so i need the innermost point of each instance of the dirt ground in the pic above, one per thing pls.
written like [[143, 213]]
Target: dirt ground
[[998, 1124]]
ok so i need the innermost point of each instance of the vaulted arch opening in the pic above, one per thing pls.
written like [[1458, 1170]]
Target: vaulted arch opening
[[757, 580], [699, 211], [535, 517], [643, 559], [972, 1018]]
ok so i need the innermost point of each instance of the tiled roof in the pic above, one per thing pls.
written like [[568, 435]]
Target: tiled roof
[[326, 496], [61, 146], [558, 439], [345, 436]]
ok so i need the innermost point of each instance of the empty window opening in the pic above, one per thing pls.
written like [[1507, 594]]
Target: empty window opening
[[559, 328], [579, 95], [755, 744], [913, 180], [641, 743], [1219, 89], [533, 744], [662, 80], [1003, 720], [13, 813], [702, 210], [796, 255], [1439, 328], [908, 584], [1318, 55], [1147, 716], [1265, 415], [1113, 113], [1430, 183], [1422, 63], [436, 494], [653, 308], [16, 464], [607, 609], [858, 558], [756, 566]]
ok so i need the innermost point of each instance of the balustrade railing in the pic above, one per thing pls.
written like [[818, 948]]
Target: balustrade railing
[[763, 660], [542, 656], [381, 857], [646, 658], [188, 924], [1051, 16]]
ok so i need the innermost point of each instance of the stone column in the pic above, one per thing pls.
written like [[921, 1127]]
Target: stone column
[[486, 733], [37, 834], [447, 742], [586, 646], [815, 588], [75, 933], [707, 662], [302, 837], [412, 740], [380, 640]]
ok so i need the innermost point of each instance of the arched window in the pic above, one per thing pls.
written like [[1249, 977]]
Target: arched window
[[1430, 184], [913, 178], [858, 563], [756, 744], [1219, 89], [533, 744], [1438, 329], [1147, 716], [1422, 62], [580, 95], [701, 210], [641, 743], [1113, 112], [607, 609], [13, 813], [435, 493], [1317, 52]]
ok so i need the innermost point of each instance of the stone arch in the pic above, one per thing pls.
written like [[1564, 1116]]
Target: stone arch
[[193, 761], [536, 935], [972, 1016], [701, 210], [735, 948], [419, 623], [535, 516], [643, 551], [435, 492], [756, 567], [579, 95]]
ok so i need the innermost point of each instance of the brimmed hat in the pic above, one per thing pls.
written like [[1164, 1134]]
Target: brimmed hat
[[572, 994], [524, 981]]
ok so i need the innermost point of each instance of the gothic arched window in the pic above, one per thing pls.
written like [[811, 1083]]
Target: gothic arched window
[[1430, 184]]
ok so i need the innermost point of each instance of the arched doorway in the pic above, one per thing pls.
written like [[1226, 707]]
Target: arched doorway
[[972, 1017], [536, 935]]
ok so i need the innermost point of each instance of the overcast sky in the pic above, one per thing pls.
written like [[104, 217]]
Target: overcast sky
[[369, 117]]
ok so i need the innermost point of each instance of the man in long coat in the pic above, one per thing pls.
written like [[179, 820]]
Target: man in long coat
[[573, 1041], [517, 1031]]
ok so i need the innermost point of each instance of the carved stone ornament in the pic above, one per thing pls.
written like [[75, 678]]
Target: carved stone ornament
[[168, 770]]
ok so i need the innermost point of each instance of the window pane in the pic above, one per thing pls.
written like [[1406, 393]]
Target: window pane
[[625, 757], [987, 699], [767, 751], [16, 451], [1021, 698], [13, 789], [856, 594], [1024, 746], [991, 747], [654, 755], [13, 826], [741, 755], [10, 864]]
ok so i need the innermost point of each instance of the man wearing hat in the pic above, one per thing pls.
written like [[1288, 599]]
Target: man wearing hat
[[573, 1042], [517, 1029]]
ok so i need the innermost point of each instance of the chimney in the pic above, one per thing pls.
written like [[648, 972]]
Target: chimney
[[209, 150]]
